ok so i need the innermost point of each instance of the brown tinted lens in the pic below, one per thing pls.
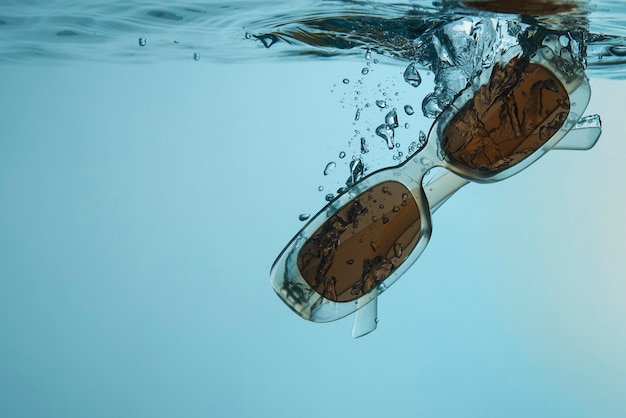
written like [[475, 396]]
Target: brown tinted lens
[[508, 119], [360, 246]]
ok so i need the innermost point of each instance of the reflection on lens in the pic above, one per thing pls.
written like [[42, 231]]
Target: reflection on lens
[[357, 248], [521, 107]]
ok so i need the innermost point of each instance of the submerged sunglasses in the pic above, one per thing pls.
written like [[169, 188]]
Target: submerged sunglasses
[[365, 239]]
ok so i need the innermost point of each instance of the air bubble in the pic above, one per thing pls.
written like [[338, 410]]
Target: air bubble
[[381, 103], [368, 54], [422, 139], [320, 188], [430, 106], [346, 81], [329, 197], [407, 126], [365, 70], [304, 216], [391, 119], [196, 56], [342, 154], [412, 76], [356, 172], [408, 109], [142, 41], [386, 132], [357, 116], [364, 149], [329, 167]]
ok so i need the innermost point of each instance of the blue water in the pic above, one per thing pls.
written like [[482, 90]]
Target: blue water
[[155, 158]]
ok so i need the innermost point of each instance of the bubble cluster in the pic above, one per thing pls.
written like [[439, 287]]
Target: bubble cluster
[[374, 100]]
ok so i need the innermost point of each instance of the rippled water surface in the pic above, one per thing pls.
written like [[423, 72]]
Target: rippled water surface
[[145, 31]]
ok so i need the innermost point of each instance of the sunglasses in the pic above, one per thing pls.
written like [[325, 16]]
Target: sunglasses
[[364, 240]]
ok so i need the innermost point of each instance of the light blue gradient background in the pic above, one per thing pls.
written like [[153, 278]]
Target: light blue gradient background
[[141, 208]]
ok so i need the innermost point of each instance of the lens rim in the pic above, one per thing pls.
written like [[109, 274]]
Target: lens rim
[[363, 243], [296, 292], [571, 76]]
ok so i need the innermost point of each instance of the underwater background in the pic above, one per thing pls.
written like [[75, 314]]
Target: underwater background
[[155, 158]]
